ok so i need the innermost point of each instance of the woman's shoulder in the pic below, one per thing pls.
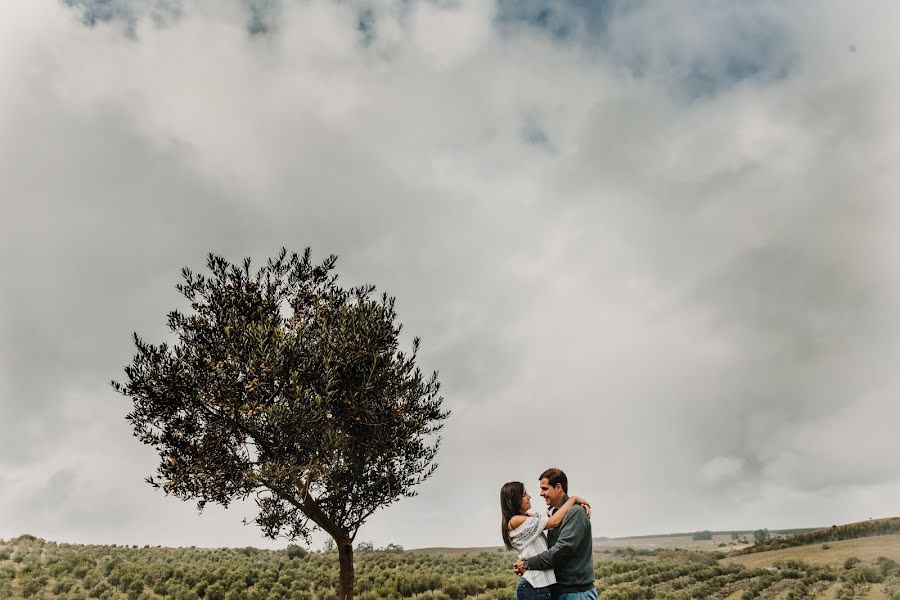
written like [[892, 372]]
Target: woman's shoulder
[[521, 522], [517, 521]]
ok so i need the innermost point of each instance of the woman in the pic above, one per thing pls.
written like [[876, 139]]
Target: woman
[[524, 532]]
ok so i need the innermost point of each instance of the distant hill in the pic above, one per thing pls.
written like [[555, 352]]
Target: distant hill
[[749, 533], [714, 541], [451, 551], [835, 533], [828, 554], [682, 540]]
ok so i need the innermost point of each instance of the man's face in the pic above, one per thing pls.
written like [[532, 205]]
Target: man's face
[[551, 495]]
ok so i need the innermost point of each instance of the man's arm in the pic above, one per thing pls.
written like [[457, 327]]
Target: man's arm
[[571, 531]]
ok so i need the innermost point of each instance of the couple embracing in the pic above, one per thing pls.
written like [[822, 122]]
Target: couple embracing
[[558, 566]]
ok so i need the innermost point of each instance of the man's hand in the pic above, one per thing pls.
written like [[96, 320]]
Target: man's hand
[[584, 504], [519, 567]]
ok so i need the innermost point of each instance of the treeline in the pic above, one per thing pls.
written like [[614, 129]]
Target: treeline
[[833, 534], [735, 534]]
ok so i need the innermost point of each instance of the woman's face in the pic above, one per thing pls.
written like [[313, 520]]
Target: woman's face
[[526, 502]]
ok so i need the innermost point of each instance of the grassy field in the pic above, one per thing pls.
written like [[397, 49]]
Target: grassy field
[[450, 551], [601, 553], [834, 556], [603, 546], [660, 567], [668, 542]]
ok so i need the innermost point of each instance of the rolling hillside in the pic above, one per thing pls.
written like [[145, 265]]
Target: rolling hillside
[[864, 566]]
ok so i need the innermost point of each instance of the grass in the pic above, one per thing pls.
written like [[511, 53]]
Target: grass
[[448, 551], [478, 573], [829, 593], [866, 549], [665, 542], [601, 554], [876, 592]]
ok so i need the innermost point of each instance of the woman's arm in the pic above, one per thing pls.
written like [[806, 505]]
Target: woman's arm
[[557, 518]]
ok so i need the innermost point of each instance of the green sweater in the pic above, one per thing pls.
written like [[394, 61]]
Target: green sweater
[[571, 552]]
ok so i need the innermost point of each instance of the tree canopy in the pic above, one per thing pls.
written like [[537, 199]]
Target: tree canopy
[[282, 385]]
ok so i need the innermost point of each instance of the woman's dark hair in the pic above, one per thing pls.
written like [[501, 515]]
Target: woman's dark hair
[[510, 505]]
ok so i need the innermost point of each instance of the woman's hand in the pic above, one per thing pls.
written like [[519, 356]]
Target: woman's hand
[[585, 504], [557, 517]]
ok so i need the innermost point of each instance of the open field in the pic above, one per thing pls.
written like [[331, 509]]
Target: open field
[[603, 546], [32, 568], [668, 542], [834, 556], [35, 568], [600, 554], [450, 551], [866, 549]]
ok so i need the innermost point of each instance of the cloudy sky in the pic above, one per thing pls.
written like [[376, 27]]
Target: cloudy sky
[[653, 243]]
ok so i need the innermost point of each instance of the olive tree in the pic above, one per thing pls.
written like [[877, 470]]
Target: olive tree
[[281, 385]]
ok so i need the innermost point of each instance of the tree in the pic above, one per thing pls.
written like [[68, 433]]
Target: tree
[[284, 386], [761, 535]]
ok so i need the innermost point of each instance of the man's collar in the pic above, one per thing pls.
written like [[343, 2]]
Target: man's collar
[[553, 509]]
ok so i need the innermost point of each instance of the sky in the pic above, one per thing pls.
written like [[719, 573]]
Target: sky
[[651, 243]]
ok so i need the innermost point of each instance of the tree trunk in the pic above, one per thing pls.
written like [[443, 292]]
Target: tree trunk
[[345, 555]]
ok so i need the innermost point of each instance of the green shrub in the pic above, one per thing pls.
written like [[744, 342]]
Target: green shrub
[[846, 593], [886, 565], [7, 573], [215, 592], [863, 575], [30, 586]]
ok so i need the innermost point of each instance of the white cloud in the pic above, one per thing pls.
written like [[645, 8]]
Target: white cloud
[[697, 285], [722, 469], [449, 35]]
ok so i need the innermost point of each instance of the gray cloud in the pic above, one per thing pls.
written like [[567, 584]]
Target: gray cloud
[[94, 12], [674, 226]]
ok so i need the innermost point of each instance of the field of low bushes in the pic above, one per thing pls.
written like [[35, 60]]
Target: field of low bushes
[[34, 568]]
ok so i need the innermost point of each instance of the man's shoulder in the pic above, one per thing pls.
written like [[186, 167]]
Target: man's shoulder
[[576, 512]]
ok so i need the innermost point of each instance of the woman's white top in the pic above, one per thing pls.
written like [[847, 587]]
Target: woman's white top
[[528, 539]]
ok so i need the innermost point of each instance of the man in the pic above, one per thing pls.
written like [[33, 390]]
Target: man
[[571, 546]]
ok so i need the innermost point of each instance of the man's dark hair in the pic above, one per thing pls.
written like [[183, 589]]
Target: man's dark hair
[[554, 476]]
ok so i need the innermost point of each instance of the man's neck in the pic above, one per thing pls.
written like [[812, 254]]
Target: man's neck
[[561, 502]]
